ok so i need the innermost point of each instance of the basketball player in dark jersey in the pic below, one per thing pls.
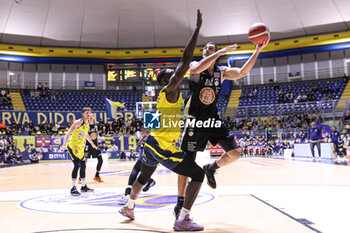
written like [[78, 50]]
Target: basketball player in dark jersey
[[92, 152], [205, 87]]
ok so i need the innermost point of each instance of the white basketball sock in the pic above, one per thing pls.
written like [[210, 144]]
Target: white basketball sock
[[83, 183], [73, 183], [131, 203], [183, 213]]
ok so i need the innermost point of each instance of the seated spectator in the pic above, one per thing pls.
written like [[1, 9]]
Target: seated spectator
[[41, 150], [103, 131], [289, 97], [114, 147], [18, 154], [114, 126], [326, 90], [311, 96], [298, 99], [8, 131], [276, 86], [280, 96], [57, 125], [19, 132], [122, 155], [132, 130], [325, 97], [108, 128], [285, 99], [335, 88], [250, 95], [103, 147], [31, 127], [132, 155], [10, 156], [54, 129], [32, 94], [3, 142], [50, 149], [43, 127], [13, 125], [123, 130], [304, 98], [330, 97], [50, 127], [245, 127], [121, 121], [7, 99], [288, 124], [100, 125], [315, 88]]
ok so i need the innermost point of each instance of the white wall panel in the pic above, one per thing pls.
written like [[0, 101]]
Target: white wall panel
[[57, 76], [29, 75]]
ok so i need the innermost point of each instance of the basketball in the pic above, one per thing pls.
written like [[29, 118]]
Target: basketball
[[258, 33]]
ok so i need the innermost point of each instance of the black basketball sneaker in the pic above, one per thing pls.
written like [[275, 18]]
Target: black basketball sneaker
[[85, 189], [74, 191]]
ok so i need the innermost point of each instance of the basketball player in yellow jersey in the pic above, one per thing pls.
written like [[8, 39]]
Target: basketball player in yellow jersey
[[79, 130], [160, 147]]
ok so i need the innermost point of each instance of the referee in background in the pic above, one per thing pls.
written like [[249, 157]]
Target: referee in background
[[314, 135]]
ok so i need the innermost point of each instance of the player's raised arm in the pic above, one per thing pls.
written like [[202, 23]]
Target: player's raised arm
[[206, 62], [187, 56], [237, 73]]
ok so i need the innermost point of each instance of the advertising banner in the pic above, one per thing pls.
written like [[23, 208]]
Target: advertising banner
[[61, 118], [55, 156]]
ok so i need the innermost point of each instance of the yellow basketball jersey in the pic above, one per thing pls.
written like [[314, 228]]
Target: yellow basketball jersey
[[169, 131], [77, 140]]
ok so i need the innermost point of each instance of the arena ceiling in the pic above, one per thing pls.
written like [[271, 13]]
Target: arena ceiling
[[162, 23]]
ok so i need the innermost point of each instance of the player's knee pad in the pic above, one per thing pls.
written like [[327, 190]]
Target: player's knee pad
[[143, 178], [146, 173], [197, 174]]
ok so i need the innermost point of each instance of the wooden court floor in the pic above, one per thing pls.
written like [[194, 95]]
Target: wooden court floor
[[255, 195]]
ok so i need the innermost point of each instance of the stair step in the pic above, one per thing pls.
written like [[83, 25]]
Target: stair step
[[233, 102], [17, 101]]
